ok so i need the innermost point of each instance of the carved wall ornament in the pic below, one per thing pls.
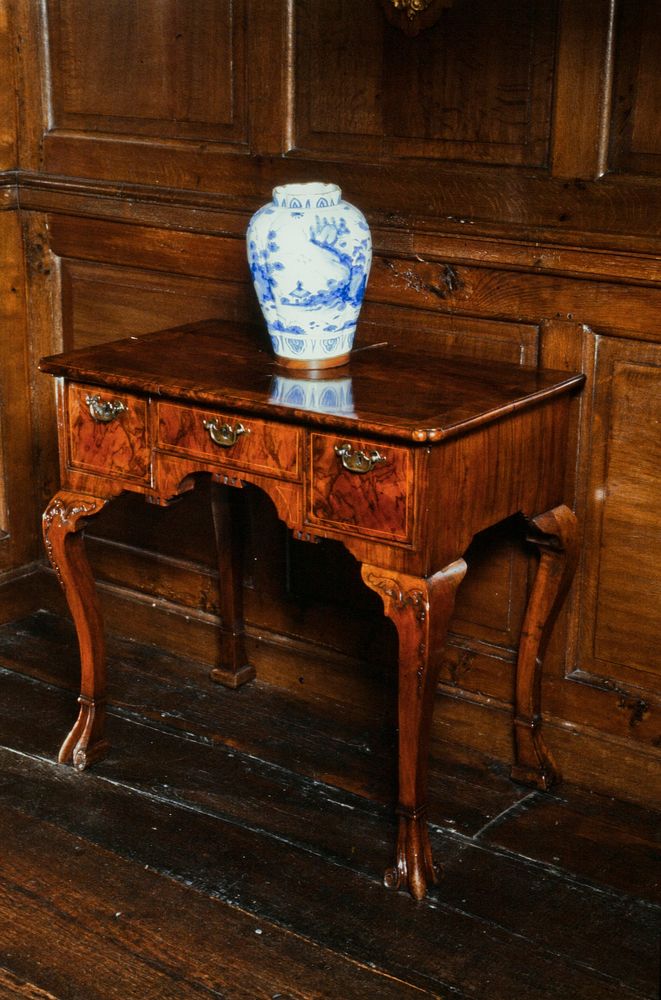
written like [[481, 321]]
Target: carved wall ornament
[[414, 15]]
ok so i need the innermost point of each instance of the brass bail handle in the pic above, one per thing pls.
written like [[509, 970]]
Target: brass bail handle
[[226, 435], [104, 412], [358, 461]]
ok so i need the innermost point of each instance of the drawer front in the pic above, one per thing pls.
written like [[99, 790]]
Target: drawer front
[[108, 433], [360, 484], [230, 440]]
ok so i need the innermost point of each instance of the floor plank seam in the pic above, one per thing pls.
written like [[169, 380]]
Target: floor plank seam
[[175, 803], [547, 867], [515, 809], [130, 715], [550, 952]]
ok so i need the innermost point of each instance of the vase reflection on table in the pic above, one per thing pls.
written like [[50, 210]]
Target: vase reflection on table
[[310, 254], [320, 395]]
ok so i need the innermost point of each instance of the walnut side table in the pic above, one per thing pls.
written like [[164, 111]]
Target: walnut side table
[[400, 457]]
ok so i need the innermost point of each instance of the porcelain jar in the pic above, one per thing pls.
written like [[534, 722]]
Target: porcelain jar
[[310, 254]]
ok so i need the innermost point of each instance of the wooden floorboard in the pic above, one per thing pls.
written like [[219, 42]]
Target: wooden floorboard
[[120, 926], [200, 804]]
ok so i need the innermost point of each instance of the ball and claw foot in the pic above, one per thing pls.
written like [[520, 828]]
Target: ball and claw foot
[[414, 868]]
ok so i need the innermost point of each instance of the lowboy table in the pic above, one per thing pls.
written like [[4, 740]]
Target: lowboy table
[[400, 457]]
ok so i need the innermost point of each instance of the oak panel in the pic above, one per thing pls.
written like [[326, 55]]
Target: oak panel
[[476, 86], [622, 626], [102, 303], [444, 334], [162, 68], [8, 134], [18, 510], [635, 135], [152, 248]]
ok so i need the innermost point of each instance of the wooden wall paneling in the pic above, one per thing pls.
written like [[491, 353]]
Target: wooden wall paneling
[[567, 345], [33, 81], [504, 293], [480, 79], [160, 68], [586, 697], [151, 248], [19, 548], [45, 326], [635, 139], [270, 79], [513, 217], [508, 253], [622, 627], [101, 302], [442, 333], [582, 91], [8, 131]]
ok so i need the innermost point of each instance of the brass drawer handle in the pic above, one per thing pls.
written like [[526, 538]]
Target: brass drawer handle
[[358, 461], [104, 413], [225, 435]]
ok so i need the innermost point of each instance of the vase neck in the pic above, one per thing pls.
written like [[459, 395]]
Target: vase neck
[[301, 196]]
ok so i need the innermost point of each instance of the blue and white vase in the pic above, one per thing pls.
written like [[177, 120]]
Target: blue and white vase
[[310, 254]]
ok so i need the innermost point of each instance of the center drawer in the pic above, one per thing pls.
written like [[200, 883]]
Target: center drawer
[[230, 440]]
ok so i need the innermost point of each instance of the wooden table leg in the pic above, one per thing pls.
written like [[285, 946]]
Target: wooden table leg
[[233, 669], [63, 523], [555, 535], [421, 610]]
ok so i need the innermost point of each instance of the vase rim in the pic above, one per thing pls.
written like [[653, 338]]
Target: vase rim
[[309, 194]]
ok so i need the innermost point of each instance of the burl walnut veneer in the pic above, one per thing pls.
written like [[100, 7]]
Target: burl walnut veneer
[[430, 453]]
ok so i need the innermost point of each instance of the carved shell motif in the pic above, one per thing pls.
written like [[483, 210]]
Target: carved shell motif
[[414, 15]]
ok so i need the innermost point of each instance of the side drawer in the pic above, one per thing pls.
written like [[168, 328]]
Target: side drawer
[[107, 433], [230, 440], [366, 485]]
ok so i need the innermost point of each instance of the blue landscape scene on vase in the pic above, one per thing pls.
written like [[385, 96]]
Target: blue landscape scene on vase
[[310, 255], [331, 236]]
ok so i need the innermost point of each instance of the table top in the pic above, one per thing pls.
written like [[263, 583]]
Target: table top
[[383, 391]]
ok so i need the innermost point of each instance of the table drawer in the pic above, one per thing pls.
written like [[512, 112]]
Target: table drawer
[[360, 483], [107, 433], [229, 440]]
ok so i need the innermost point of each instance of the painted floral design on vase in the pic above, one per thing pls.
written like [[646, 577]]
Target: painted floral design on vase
[[310, 254]]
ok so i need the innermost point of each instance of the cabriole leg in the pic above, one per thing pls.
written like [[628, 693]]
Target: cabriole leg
[[555, 535], [421, 610], [63, 523]]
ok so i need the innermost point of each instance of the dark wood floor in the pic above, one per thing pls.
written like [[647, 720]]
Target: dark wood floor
[[232, 846]]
